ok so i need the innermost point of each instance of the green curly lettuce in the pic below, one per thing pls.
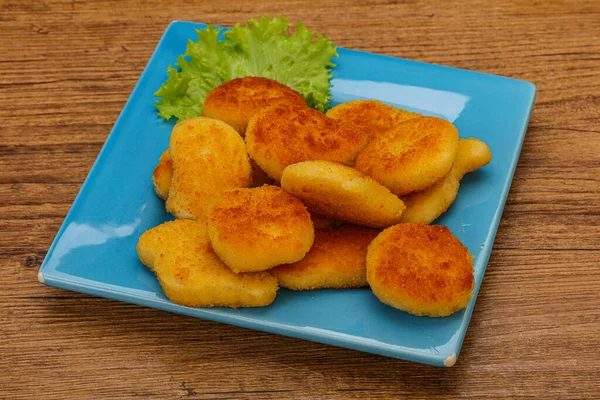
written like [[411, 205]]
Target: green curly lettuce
[[264, 47]]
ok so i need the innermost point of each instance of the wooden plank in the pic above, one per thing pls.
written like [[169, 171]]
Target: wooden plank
[[68, 67]]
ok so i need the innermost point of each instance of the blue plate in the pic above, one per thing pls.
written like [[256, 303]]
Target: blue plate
[[94, 250]]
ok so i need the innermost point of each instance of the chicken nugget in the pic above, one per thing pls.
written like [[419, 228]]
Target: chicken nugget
[[236, 101], [342, 193], [284, 135], [421, 269], [208, 158], [425, 206], [162, 175], [411, 156], [190, 273], [257, 229], [372, 115], [336, 260]]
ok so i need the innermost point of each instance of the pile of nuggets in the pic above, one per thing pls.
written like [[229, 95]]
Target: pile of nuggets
[[268, 192]]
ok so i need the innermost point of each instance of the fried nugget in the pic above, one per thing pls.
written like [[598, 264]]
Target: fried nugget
[[208, 158], [280, 136], [411, 156], [421, 269], [162, 175], [372, 115], [425, 206], [257, 229], [336, 260], [236, 101], [190, 273], [342, 193]]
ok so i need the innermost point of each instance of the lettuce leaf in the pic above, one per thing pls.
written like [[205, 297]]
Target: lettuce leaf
[[264, 47]]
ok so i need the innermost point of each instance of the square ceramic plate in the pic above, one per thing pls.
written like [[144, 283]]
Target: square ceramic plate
[[94, 250]]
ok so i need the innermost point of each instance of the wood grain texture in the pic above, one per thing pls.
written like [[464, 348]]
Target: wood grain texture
[[66, 69]]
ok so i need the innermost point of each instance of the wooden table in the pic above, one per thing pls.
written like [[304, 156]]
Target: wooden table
[[66, 70]]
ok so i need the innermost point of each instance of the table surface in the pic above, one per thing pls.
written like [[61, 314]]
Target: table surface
[[67, 68]]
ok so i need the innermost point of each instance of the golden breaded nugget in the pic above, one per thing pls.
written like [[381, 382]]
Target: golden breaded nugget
[[342, 193], [411, 156], [191, 274], [336, 261], [257, 229], [425, 206], [280, 136], [163, 173], [421, 269], [372, 115], [236, 101], [209, 157]]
